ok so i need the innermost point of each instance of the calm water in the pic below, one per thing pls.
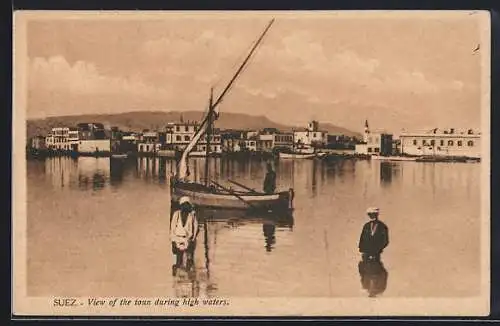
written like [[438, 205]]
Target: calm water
[[99, 227]]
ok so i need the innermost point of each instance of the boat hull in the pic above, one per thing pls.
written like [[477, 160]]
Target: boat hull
[[296, 156], [119, 156], [393, 158], [203, 154], [211, 198]]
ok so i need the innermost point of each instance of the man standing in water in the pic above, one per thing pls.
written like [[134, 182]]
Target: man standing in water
[[270, 180], [183, 233], [374, 237]]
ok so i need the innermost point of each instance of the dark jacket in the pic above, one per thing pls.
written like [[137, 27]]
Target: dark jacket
[[270, 182], [374, 244]]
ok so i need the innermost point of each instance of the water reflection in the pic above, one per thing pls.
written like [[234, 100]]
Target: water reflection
[[93, 173], [234, 250], [269, 230], [197, 279], [117, 169], [389, 171], [373, 277]]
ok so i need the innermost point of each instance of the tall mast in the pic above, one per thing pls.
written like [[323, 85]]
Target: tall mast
[[208, 121], [208, 134], [240, 69]]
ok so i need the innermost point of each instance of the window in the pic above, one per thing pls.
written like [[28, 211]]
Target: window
[[178, 138], [441, 142], [186, 138], [377, 149], [459, 143], [433, 142], [470, 143], [177, 128], [450, 142], [186, 128], [415, 142], [369, 149], [424, 142]]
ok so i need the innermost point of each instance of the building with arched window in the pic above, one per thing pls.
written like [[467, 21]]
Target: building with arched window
[[436, 142]]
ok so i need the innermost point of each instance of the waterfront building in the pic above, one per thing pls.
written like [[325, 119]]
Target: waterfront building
[[251, 144], [231, 141], [92, 138], [94, 146], [62, 138], [149, 143], [265, 142], [178, 136], [375, 143], [437, 142], [283, 140], [91, 131], [340, 142], [38, 143], [311, 136]]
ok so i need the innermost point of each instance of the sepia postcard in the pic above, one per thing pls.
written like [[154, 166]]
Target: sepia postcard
[[288, 163]]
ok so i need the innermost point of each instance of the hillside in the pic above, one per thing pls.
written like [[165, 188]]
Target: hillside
[[138, 121]]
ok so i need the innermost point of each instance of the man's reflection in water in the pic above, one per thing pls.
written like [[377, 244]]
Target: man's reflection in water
[[269, 230], [373, 276], [186, 284]]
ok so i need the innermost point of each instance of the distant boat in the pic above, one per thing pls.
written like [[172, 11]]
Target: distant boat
[[321, 154], [296, 156], [121, 156], [393, 158], [442, 159], [211, 193], [202, 154]]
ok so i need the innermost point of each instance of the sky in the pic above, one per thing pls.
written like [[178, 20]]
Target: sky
[[398, 70]]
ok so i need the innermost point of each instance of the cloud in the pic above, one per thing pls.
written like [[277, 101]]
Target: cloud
[[83, 78]]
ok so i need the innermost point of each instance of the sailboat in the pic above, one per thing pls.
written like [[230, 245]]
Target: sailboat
[[299, 151], [211, 193]]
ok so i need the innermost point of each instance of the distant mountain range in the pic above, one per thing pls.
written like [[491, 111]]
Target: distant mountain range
[[138, 121]]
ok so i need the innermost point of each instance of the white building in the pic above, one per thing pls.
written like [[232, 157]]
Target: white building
[[62, 138], [311, 135], [180, 134], [375, 142], [450, 142], [149, 143], [94, 146], [251, 144]]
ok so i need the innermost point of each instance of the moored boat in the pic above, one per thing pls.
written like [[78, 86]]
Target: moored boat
[[442, 159], [203, 154], [211, 193], [393, 158], [296, 156], [119, 156], [215, 197]]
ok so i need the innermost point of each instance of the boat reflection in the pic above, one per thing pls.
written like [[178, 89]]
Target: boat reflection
[[373, 277]]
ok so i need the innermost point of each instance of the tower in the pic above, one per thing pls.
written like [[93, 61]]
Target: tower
[[367, 132]]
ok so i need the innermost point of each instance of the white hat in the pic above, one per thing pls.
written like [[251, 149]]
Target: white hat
[[372, 210], [184, 199]]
